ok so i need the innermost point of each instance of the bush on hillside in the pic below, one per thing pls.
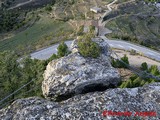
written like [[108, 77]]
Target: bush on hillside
[[133, 52], [144, 66], [88, 48], [62, 50], [123, 63], [91, 29], [53, 57], [14, 73], [48, 8], [136, 81]]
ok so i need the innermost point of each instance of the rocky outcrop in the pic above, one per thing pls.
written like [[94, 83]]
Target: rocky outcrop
[[90, 106], [74, 74]]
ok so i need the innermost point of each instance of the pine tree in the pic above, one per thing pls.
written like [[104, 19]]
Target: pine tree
[[62, 50], [144, 66], [88, 48], [154, 70], [10, 73]]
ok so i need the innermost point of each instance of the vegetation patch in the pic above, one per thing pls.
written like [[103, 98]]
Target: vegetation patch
[[88, 48], [123, 63], [41, 33], [152, 1], [14, 73], [62, 51], [8, 20], [135, 80], [136, 24]]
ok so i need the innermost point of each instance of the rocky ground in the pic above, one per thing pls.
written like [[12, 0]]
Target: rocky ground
[[91, 106], [87, 84], [75, 74]]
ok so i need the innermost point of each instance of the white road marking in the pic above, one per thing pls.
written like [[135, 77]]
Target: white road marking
[[158, 57], [133, 48], [150, 53], [121, 46], [111, 45], [46, 53]]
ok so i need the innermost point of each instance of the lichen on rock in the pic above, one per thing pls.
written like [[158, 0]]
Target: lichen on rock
[[74, 74], [89, 106]]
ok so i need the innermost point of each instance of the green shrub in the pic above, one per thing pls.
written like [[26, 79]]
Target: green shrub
[[123, 63], [88, 48], [144, 66], [133, 52], [53, 57], [48, 8], [14, 74], [152, 1], [136, 81], [91, 29], [126, 84], [154, 70], [62, 50]]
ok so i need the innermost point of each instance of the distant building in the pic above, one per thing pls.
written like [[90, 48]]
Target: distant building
[[96, 9]]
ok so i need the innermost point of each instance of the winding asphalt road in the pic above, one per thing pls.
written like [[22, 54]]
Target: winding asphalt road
[[20, 4], [47, 53]]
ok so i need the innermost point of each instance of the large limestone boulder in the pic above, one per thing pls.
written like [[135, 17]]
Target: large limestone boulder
[[90, 106], [74, 74]]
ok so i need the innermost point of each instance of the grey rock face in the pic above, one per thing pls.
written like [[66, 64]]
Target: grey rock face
[[89, 106], [74, 74]]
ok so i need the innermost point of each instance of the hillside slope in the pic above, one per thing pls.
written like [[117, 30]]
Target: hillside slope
[[136, 22]]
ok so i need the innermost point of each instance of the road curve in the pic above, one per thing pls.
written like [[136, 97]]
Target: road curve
[[119, 44], [47, 52], [20, 4]]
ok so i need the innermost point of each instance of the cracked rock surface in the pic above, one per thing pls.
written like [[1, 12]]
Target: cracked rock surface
[[89, 106], [73, 74]]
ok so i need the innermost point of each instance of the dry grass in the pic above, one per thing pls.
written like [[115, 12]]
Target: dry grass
[[137, 60]]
